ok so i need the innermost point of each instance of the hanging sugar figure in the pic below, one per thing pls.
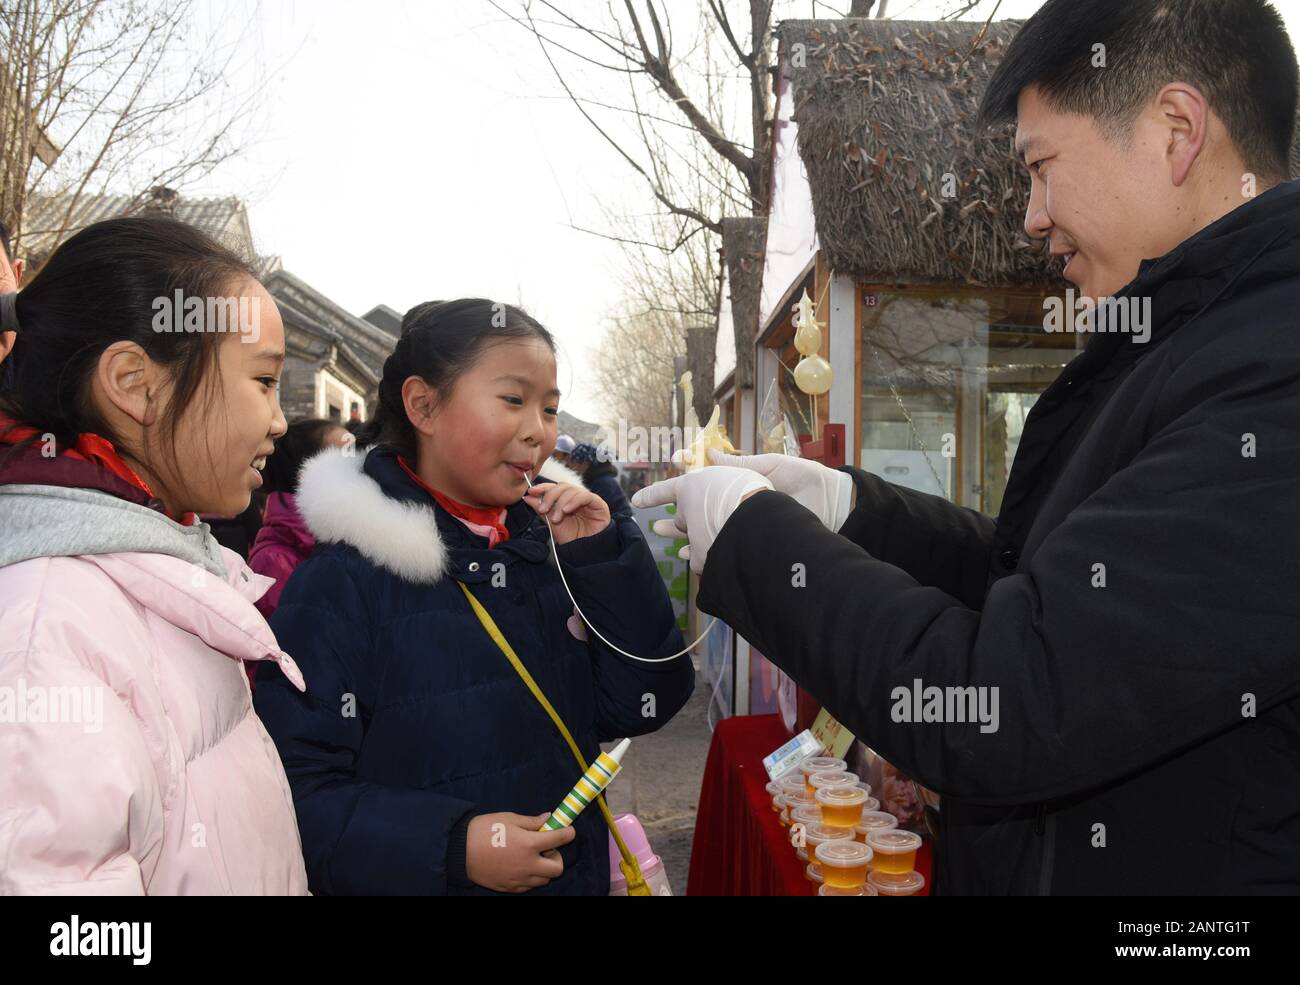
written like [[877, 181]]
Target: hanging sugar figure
[[588, 787]]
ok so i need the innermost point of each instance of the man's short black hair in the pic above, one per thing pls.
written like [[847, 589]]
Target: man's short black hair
[[5, 242], [1236, 52]]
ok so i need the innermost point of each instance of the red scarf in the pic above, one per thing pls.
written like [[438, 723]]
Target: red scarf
[[89, 448], [493, 518]]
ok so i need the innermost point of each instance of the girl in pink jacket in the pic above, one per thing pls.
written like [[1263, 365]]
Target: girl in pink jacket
[[284, 542], [141, 391]]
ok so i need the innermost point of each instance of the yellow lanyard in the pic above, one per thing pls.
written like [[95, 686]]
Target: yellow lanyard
[[636, 885]]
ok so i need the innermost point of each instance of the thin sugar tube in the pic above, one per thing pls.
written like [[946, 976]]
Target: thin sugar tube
[[631, 656]]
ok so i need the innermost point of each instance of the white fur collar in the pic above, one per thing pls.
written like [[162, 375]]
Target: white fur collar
[[553, 470], [339, 502]]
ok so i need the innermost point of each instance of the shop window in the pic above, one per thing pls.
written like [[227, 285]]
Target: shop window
[[795, 404], [947, 382]]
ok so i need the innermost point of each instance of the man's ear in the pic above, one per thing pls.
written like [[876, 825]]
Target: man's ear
[[1185, 115], [17, 266], [128, 380]]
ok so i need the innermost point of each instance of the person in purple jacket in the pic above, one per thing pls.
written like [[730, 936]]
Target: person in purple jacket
[[284, 541]]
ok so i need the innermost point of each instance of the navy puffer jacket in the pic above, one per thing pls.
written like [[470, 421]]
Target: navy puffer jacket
[[413, 720], [602, 479]]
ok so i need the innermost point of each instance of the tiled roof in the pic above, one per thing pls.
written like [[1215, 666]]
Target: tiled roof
[[45, 216], [382, 316], [329, 317]]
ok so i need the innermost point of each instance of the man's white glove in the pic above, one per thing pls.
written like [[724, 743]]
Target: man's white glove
[[704, 501], [828, 493]]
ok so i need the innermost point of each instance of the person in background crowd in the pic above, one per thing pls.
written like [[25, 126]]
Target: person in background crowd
[[238, 532], [564, 446], [600, 476], [284, 541], [11, 277]]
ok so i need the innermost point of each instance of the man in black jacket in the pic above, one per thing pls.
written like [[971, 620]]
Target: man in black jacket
[[1132, 618]]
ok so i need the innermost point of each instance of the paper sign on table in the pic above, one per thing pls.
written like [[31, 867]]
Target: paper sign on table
[[835, 739]]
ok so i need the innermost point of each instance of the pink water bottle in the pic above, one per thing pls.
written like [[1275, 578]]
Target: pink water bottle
[[652, 867]]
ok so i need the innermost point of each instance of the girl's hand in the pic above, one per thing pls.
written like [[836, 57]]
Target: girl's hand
[[574, 511], [507, 854]]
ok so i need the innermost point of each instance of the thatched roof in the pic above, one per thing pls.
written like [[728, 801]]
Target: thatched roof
[[885, 110], [743, 243]]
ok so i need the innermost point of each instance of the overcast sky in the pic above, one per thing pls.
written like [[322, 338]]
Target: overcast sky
[[408, 150]]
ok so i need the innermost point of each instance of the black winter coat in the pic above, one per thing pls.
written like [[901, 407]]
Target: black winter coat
[[1149, 734]]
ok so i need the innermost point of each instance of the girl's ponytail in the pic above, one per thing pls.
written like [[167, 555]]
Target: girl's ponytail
[[389, 424]]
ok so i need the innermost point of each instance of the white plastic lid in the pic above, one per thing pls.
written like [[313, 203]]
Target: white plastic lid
[[908, 884], [820, 764], [876, 819], [864, 890], [815, 834], [893, 841], [807, 814], [842, 853], [841, 796], [814, 872], [834, 778]]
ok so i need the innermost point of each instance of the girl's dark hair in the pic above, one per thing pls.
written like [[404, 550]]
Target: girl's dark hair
[[300, 442], [101, 287], [440, 340]]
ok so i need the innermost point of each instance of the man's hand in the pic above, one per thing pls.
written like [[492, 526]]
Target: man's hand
[[828, 493], [704, 501]]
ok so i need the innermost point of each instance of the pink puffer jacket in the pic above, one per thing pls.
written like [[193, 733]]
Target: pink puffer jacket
[[131, 760], [283, 543]]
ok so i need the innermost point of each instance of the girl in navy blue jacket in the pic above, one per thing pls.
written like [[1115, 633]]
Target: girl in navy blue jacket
[[420, 763]]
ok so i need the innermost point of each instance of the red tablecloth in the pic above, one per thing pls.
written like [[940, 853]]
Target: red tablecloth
[[740, 848]]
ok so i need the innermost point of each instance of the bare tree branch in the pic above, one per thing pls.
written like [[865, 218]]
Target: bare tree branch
[[660, 71], [720, 14], [109, 95], [696, 171], [686, 211]]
